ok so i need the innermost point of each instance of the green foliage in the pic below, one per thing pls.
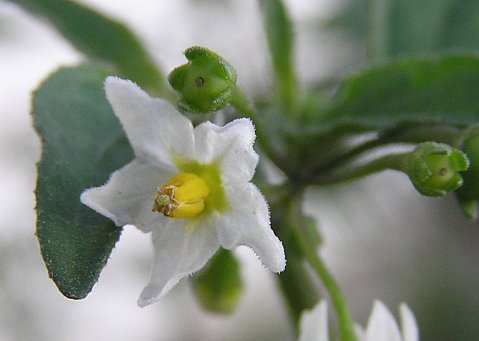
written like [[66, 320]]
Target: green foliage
[[218, 287], [428, 97], [280, 41], [101, 38], [414, 100], [413, 90], [401, 28], [397, 29], [82, 144]]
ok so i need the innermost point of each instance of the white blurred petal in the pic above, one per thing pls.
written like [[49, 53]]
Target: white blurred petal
[[247, 222], [128, 195], [381, 325], [181, 249], [360, 332], [409, 327], [314, 323], [156, 130], [231, 146]]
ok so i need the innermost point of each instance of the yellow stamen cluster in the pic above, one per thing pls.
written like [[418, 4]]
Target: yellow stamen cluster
[[183, 196]]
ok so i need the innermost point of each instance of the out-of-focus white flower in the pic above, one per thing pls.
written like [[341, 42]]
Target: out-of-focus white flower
[[189, 186], [381, 325], [314, 324]]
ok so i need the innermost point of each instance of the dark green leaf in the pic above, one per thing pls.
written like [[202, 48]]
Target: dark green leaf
[[418, 90], [82, 143], [397, 28], [100, 37], [401, 28], [280, 41], [218, 286], [351, 19]]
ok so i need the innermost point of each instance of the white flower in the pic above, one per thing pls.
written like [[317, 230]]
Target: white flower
[[314, 323], [189, 186], [381, 325]]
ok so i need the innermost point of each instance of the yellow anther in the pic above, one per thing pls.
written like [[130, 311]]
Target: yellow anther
[[183, 196]]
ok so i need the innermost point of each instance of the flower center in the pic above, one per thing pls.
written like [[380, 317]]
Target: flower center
[[183, 196]]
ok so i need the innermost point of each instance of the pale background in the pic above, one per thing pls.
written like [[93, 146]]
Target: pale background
[[382, 240]]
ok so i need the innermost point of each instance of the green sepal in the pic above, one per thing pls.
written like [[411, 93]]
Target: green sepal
[[82, 144], [434, 168], [470, 207], [218, 286], [206, 83]]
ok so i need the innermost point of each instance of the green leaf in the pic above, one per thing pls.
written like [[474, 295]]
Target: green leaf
[[396, 28], [401, 28], [218, 286], [350, 19], [101, 38], [280, 42], [418, 90], [82, 143]]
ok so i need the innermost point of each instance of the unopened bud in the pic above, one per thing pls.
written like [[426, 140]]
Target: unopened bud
[[434, 168], [206, 83], [468, 194]]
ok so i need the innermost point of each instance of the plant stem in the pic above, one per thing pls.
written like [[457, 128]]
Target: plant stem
[[350, 172], [346, 325], [404, 134], [296, 282], [242, 103]]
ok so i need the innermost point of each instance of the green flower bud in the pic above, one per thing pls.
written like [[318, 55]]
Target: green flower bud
[[468, 194], [218, 287], [206, 83], [434, 168]]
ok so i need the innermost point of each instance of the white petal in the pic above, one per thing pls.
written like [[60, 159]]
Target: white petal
[[247, 222], [231, 146], [155, 129], [314, 324], [381, 325], [180, 250], [128, 195], [360, 332], [409, 327]]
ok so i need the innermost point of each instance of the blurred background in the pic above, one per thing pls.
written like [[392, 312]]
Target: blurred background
[[381, 238]]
